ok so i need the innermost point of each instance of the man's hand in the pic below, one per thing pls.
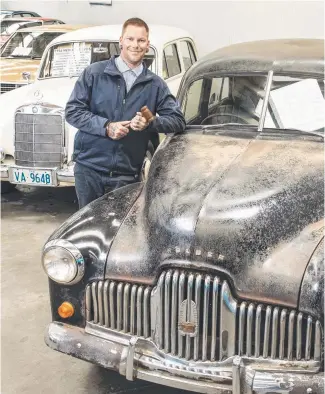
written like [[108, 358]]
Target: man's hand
[[138, 123], [118, 130]]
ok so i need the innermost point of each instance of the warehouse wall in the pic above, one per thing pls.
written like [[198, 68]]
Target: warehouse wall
[[213, 23]]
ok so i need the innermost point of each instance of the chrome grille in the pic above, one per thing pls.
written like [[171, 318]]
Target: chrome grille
[[119, 306], [215, 311], [7, 87], [277, 333], [39, 140], [223, 327]]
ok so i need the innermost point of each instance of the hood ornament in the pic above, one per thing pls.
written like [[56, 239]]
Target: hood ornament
[[38, 96]]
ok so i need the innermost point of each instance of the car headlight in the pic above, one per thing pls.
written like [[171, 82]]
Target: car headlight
[[63, 262]]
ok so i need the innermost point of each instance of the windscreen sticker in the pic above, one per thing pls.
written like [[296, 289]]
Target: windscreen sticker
[[70, 60]]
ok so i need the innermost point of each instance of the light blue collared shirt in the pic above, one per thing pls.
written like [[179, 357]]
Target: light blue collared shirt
[[129, 74]]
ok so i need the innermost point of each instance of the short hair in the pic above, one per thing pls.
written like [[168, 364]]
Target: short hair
[[135, 22]]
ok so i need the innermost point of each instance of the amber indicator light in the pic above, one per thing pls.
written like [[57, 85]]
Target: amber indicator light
[[66, 310]]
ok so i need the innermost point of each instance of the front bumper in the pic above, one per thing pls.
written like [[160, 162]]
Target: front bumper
[[135, 357], [64, 176]]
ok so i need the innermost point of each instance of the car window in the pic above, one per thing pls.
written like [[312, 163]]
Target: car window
[[215, 91], [5, 26], [232, 99], [115, 49], [70, 59], [192, 53], [186, 54], [26, 14], [219, 90], [191, 104], [30, 24], [295, 103], [29, 45], [171, 63], [9, 27]]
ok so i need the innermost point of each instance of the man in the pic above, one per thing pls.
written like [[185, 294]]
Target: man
[[112, 137]]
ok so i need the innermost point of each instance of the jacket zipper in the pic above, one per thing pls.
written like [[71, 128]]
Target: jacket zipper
[[122, 112], [115, 146], [123, 97]]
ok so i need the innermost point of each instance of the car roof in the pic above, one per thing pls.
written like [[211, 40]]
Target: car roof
[[31, 19], [24, 19], [12, 11], [158, 34], [55, 28], [282, 55], [39, 18]]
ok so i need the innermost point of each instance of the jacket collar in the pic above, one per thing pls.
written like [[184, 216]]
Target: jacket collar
[[111, 69], [123, 67]]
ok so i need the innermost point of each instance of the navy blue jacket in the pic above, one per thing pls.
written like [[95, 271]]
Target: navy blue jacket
[[100, 96]]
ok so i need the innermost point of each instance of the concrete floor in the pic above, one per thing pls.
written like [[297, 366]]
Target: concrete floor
[[29, 216]]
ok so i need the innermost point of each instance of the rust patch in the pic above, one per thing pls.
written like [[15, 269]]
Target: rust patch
[[187, 327]]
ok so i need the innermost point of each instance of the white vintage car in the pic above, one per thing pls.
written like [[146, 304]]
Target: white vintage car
[[36, 142]]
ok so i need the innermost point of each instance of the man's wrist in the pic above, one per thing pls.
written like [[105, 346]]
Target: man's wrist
[[110, 130]]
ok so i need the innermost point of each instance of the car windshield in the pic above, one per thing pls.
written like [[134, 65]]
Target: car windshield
[[296, 103], [8, 26], [5, 25], [4, 14], [28, 44], [293, 103], [70, 59]]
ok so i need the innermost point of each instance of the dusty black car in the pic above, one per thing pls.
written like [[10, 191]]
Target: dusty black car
[[210, 276]]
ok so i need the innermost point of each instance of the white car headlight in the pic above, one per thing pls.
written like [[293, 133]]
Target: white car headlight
[[63, 262]]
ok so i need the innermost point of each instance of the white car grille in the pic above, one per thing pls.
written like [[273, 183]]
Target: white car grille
[[39, 139]]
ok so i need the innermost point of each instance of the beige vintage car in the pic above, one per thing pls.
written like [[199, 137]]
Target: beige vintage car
[[22, 53], [10, 25]]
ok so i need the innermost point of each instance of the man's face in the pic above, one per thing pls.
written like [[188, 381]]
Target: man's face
[[134, 44]]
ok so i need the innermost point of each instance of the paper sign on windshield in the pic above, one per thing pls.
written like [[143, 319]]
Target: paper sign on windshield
[[71, 59], [299, 106]]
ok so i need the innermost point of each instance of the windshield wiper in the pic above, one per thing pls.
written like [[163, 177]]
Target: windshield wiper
[[16, 56], [307, 132], [219, 126]]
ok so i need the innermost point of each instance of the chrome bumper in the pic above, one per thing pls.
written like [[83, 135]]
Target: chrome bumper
[[135, 357], [64, 176]]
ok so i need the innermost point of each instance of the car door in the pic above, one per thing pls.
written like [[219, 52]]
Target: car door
[[187, 53], [203, 100], [177, 57], [172, 70]]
